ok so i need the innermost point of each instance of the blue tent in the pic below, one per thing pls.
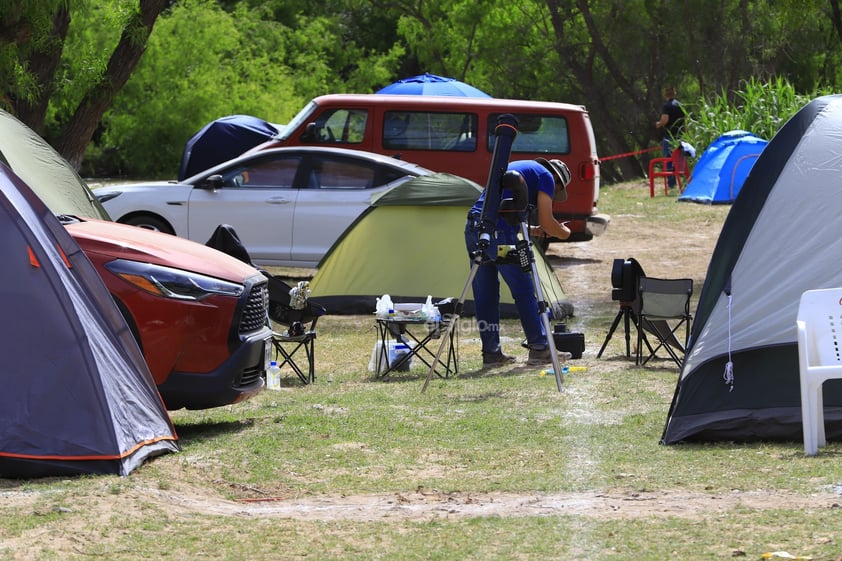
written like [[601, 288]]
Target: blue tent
[[723, 167], [222, 140]]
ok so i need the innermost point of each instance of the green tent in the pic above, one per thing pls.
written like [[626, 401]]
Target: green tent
[[410, 244]]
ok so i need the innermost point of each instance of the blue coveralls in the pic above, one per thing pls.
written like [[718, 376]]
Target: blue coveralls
[[486, 283]]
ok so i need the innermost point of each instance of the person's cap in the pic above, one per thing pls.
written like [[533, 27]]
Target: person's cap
[[561, 173]]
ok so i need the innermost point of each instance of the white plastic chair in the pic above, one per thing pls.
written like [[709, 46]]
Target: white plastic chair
[[819, 325]]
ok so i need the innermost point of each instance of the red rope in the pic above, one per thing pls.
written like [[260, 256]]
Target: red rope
[[615, 156]]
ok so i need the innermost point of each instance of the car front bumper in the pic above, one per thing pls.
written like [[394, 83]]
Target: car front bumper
[[237, 379]]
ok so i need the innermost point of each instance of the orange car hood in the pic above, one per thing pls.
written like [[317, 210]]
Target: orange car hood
[[120, 241]]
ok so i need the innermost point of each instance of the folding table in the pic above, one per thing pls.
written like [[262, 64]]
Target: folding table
[[418, 334]]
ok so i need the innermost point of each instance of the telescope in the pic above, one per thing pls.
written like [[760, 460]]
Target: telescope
[[505, 133]]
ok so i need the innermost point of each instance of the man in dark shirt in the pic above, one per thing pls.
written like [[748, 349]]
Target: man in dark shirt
[[672, 121]]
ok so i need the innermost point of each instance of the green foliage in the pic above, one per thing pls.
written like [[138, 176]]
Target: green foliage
[[94, 32], [249, 63], [25, 29], [761, 108], [170, 96], [210, 58]]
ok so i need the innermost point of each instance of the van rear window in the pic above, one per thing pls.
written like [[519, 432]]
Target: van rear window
[[423, 130], [536, 133]]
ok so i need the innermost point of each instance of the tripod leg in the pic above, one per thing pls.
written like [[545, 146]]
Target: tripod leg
[[610, 333], [542, 304], [627, 313], [452, 321]]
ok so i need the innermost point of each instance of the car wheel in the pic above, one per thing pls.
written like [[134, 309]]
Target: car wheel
[[149, 222]]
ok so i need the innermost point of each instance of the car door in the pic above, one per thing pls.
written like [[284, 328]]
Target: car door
[[338, 189], [257, 197]]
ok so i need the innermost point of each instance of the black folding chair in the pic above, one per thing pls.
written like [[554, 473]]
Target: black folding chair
[[300, 319]]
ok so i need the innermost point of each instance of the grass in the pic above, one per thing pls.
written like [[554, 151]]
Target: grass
[[476, 439]]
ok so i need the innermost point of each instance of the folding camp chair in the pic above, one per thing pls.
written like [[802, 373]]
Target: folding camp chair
[[298, 315], [289, 306], [663, 301]]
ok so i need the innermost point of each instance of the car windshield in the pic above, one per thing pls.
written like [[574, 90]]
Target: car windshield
[[45, 171], [296, 121]]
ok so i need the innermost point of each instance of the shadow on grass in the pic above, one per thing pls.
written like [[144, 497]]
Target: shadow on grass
[[566, 261], [419, 376], [205, 430]]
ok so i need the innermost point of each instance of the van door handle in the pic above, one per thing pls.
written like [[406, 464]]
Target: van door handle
[[278, 201]]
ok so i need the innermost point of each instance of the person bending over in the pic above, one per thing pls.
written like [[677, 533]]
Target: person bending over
[[545, 180]]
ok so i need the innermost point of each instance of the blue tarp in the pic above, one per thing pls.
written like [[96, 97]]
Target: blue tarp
[[222, 140], [723, 167]]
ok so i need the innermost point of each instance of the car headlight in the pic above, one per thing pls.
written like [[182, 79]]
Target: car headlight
[[171, 283]]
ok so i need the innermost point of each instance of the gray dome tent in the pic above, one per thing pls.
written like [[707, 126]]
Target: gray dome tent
[[77, 395], [740, 377]]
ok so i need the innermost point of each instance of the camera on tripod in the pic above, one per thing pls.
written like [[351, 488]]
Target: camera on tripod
[[625, 275]]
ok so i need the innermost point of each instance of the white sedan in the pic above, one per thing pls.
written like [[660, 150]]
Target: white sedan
[[287, 205]]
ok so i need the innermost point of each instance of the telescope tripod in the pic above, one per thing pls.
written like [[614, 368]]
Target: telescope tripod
[[525, 257], [627, 315]]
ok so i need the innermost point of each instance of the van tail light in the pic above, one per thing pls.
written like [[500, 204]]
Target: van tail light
[[587, 170]]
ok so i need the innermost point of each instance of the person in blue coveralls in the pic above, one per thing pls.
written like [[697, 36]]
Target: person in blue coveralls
[[546, 180]]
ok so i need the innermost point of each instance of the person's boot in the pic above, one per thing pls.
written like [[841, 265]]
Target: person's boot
[[496, 359], [538, 357]]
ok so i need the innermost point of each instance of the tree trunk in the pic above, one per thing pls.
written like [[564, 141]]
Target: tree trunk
[[81, 126]]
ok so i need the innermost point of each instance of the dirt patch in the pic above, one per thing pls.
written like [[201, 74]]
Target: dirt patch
[[428, 505]]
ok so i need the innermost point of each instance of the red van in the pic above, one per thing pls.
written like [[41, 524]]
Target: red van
[[456, 135]]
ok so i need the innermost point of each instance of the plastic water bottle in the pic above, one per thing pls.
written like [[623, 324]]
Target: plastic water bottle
[[273, 376]]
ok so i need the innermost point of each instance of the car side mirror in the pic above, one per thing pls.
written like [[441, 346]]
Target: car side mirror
[[212, 182], [309, 134]]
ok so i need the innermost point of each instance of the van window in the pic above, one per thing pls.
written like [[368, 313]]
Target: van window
[[340, 126], [423, 130], [536, 133]]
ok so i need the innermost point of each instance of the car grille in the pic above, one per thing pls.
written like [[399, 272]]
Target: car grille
[[255, 312]]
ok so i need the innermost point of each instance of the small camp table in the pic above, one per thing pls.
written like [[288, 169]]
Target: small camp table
[[423, 337]]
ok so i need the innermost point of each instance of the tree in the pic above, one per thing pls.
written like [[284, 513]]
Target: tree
[[31, 36], [32, 60]]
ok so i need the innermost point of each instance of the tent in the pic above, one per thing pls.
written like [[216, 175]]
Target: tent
[[431, 84], [723, 167], [740, 377], [77, 395], [410, 244], [222, 140]]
